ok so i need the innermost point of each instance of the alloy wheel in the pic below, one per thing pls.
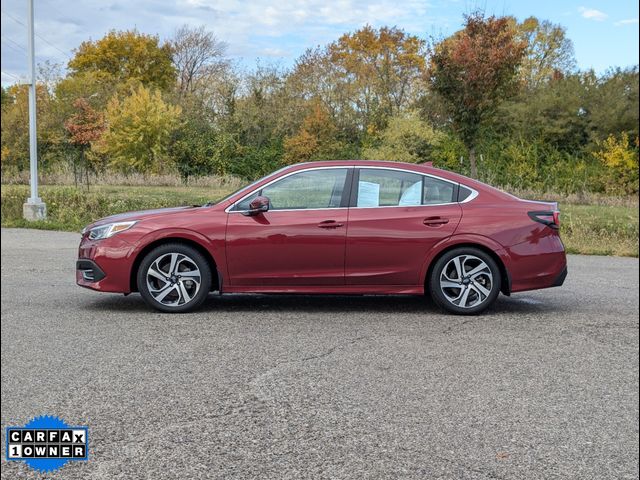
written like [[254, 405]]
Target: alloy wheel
[[173, 279], [466, 281]]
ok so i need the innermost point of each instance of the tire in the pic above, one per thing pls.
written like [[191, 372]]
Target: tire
[[465, 281], [174, 278]]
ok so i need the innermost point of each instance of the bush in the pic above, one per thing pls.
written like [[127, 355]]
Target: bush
[[621, 165]]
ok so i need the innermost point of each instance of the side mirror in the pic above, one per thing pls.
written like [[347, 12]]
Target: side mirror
[[258, 205]]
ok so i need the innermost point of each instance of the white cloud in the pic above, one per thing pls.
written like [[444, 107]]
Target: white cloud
[[627, 21], [593, 14], [250, 28]]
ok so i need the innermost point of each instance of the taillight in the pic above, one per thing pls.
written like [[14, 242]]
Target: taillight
[[548, 218]]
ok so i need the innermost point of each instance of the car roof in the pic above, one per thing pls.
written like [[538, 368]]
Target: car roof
[[416, 167], [424, 168]]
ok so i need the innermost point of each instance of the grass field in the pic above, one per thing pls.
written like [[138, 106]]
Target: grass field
[[589, 229]]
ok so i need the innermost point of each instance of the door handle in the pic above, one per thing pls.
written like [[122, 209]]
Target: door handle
[[435, 221], [330, 224]]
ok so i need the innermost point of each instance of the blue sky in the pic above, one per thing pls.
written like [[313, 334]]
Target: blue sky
[[604, 33]]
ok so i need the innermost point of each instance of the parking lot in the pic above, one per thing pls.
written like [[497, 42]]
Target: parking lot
[[543, 386]]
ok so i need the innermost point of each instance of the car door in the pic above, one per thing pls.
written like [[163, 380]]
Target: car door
[[300, 240], [395, 218]]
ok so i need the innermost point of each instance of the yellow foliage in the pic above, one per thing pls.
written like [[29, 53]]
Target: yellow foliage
[[138, 130], [621, 160]]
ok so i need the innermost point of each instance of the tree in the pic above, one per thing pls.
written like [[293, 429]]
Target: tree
[[613, 103], [138, 131], [85, 127], [382, 66], [197, 55], [7, 99], [556, 114], [194, 150], [316, 139], [474, 70], [406, 139], [15, 127], [549, 52], [126, 56], [363, 78]]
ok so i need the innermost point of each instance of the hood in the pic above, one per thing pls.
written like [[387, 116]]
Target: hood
[[139, 215]]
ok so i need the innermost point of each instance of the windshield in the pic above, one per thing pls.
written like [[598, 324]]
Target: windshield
[[240, 190]]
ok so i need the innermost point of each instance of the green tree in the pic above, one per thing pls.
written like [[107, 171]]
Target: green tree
[[474, 70], [407, 138], [126, 56], [556, 114], [194, 148], [138, 131], [613, 103]]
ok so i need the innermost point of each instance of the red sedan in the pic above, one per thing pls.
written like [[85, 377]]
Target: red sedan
[[349, 227]]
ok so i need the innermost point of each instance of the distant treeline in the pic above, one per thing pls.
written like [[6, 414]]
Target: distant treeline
[[499, 99]]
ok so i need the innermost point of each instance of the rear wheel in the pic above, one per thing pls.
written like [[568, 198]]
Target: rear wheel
[[465, 281], [174, 278]]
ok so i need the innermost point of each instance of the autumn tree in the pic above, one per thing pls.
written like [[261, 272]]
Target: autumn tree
[[474, 70], [382, 66], [15, 127], [126, 56], [138, 131], [85, 127], [548, 53], [364, 77], [198, 56], [316, 140]]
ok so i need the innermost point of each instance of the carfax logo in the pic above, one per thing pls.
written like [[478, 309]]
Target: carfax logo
[[47, 443]]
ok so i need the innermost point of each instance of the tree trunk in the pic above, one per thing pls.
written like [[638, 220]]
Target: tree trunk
[[472, 161], [75, 170], [86, 168]]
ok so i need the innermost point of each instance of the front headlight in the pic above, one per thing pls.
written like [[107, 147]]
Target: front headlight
[[109, 230]]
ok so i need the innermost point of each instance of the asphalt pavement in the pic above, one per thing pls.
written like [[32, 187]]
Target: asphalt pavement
[[544, 385]]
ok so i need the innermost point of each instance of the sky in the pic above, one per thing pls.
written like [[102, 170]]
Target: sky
[[604, 33]]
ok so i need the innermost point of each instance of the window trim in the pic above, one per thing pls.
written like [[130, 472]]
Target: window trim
[[353, 174], [348, 168], [356, 177]]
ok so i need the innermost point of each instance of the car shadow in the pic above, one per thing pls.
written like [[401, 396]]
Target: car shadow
[[385, 304]]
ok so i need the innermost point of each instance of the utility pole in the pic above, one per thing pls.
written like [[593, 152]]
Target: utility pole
[[34, 208]]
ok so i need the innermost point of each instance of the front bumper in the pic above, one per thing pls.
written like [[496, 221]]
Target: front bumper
[[105, 265], [90, 270]]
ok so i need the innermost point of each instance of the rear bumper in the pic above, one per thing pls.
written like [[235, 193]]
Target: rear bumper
[[542, 264], [560, 278]]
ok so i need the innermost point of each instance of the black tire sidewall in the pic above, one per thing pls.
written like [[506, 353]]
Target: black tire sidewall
[[196, 256], [434, 281]]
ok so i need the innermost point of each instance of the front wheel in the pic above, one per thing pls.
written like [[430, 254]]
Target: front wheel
[[174, 278], [465, 281]]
